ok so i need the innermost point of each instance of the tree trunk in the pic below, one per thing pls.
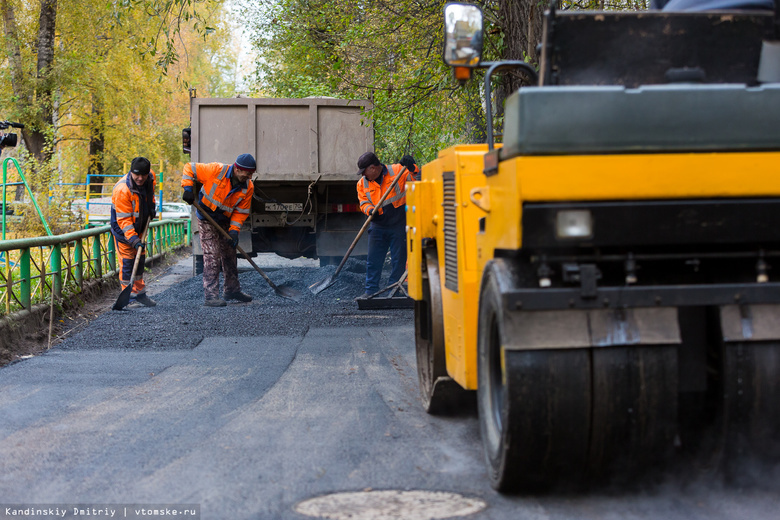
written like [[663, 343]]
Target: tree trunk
[[522, 28], [97, 144], [14, 50], [36, 140], [40, 95]]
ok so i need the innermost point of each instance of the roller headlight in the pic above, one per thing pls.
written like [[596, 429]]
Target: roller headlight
[[574, 223]]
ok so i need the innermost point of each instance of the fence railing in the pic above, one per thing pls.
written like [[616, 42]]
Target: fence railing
[[31, 268]]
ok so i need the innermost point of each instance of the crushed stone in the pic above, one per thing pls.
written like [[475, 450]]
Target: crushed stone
[[181, 321]]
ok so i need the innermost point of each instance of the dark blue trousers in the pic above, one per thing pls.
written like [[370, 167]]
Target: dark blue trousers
[[380, 239]]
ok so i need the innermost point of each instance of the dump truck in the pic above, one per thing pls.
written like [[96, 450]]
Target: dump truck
[[601, 282], [305, 201]]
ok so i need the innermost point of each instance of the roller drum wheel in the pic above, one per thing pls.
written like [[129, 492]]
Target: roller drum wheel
[[438, 392], [568, 416], [534, 406], [634, 409], [751, 391]]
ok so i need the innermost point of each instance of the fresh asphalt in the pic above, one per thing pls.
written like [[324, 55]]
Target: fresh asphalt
[[250, 409]]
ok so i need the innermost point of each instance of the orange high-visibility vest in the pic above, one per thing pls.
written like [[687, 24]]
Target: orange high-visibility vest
[[127, 206], [369, 192], [215, 193]]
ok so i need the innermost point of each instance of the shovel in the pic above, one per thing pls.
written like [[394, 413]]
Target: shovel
[[124, 296], [323, 284], [284, 292]]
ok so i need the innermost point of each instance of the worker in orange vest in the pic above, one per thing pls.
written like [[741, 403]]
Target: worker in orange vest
[[226, 195], [132, 203], [388, 227]]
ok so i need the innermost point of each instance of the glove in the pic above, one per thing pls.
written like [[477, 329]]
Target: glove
[[233, 238], [135, 241], [188, 196], [409, 162]]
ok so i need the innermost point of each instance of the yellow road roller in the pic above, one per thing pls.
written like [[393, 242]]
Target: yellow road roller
[[603, 277]]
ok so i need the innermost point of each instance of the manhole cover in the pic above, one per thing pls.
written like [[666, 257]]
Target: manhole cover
[[390, 505]]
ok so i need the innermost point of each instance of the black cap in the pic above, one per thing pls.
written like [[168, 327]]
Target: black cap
[[366, 160], [140, 166]]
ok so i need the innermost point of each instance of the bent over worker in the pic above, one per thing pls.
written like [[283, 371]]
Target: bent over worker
[[388, 227], [132, 203], [226, 195]]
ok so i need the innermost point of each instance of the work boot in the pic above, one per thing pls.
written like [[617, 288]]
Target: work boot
[[144, 300], [215, 302], [364, 296], [238, 295]]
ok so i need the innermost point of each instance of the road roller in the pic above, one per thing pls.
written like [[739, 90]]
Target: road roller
[[602, 278]]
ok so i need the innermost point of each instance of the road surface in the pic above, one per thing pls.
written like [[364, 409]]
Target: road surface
[[254, 410]]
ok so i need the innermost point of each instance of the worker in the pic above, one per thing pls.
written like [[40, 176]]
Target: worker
[[227, 196], [132, 204], [388, 227]]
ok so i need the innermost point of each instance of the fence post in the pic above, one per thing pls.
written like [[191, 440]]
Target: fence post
[[56, 270], [111, 252], [24, 278], [96, 256], [9, 282], [77, 260]]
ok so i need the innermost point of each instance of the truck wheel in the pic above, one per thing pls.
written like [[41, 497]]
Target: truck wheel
[[197, 265], [751, 391], [329, 260], [439, 393], [534, 406]]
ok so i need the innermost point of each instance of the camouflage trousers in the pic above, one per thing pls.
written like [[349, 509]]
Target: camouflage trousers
[[218, 256]]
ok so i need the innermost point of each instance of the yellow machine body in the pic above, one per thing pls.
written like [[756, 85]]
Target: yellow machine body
[[497, 202], [429, 216]]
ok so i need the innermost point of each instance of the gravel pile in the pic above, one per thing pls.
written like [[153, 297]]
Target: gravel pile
[[181, 321]]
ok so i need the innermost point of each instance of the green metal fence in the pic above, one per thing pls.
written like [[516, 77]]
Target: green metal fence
[[30, 268]]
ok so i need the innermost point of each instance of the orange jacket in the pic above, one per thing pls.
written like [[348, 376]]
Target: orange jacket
[[130, 208], [217, 193], [369, 192]]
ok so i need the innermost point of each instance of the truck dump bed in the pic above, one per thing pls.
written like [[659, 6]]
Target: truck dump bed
[[292, 139]]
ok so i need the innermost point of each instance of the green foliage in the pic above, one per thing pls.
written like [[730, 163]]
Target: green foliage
[[119, 79], [386, 53]]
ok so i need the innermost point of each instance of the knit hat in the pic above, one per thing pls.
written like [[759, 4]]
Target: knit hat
[[140, 166], [366, 160], [245, 161]]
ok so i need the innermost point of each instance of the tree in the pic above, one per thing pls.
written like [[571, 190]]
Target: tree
[[33, 94], [109, 84], [390, 53], [386, 52]]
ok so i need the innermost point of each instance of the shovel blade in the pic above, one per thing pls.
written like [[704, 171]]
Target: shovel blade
[[124, 298], [320, 286], [288, 292]]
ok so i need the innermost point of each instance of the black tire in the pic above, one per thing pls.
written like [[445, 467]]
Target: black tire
[[438, 392], [197, 265], [534, 407], [329, 260]]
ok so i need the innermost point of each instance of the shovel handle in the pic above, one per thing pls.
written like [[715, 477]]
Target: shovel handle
[[368, 221], [240, 250]]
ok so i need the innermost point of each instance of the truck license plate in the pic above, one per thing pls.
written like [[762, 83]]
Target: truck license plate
[[288, 206]]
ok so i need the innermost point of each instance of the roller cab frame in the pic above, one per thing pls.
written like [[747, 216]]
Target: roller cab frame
[[604, 277]]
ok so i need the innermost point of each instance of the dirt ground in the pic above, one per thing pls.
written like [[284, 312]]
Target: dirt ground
[[78, 316]]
